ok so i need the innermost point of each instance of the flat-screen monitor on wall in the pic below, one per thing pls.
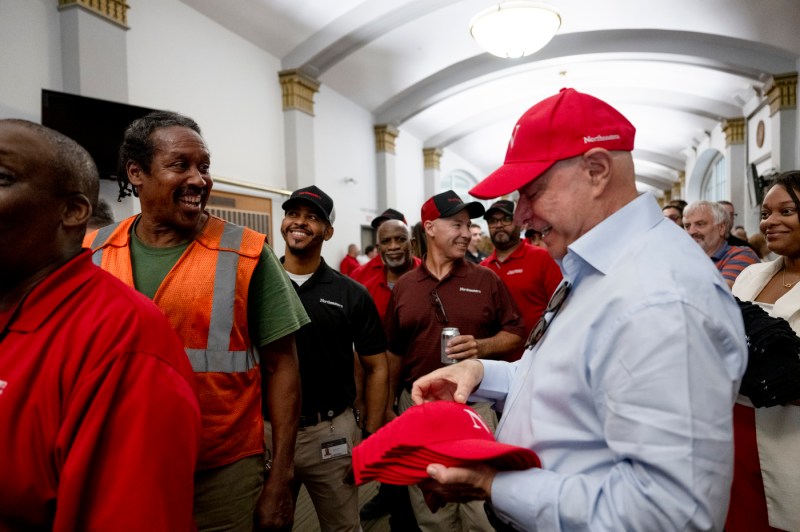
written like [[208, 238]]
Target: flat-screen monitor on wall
[[97, 125]]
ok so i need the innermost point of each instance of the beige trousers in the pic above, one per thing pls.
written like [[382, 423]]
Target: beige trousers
[[335, 502], [454, 517]]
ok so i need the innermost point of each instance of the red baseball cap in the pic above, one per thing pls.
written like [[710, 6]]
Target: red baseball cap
[[446, 204], [443, 432], [565, 125]]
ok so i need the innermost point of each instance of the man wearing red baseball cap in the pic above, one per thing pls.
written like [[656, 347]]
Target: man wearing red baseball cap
[[626, 389], [448, 291]]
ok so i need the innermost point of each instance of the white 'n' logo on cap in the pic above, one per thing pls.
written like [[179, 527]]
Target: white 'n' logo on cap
[[513, 136], [477, 421]]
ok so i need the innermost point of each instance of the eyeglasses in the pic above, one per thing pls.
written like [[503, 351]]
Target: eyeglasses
[[550, 312], [441, 315], [505, 220]]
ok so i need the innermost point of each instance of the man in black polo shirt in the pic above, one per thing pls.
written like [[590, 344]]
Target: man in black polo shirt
[[342, 315]]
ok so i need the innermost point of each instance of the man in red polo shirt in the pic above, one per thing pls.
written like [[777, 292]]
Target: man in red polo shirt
[[350, 261], [529, 272], [448, 291], [100, 423], [394, 248], [375, 265], [394, 260]]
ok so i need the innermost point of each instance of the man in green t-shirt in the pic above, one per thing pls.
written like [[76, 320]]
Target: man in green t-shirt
[[226, 294]]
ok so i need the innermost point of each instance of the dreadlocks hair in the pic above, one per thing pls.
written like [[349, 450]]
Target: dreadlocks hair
[[791, 182], [138, 146]]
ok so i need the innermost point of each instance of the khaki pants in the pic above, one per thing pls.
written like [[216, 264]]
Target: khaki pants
[[455, 517], [225, 497], [335, 502]]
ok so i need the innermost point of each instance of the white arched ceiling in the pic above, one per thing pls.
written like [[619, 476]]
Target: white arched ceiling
[[675, 68]]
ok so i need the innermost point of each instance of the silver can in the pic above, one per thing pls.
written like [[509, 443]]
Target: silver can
[[447, 334]]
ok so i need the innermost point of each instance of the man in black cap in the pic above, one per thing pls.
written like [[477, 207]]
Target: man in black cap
[[374, 266], [388, 214], [448, 291], [529, 272], [342, 316], [378, 276]]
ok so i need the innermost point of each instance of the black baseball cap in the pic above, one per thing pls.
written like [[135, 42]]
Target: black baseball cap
[[316, 197], [446, 204], [503, 205], [388, 214]]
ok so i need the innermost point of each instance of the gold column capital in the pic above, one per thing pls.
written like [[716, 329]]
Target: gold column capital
[[675, 193], [734, 131], [114, 10], [781, 91], [298, 90], [432, 158], [385, 135]]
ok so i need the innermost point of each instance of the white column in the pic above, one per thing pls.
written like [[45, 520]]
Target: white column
[[94, 52], [298, 127], [386, 165]]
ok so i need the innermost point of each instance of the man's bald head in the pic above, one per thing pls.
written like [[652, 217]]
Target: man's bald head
[[49, 184], [71, 167]]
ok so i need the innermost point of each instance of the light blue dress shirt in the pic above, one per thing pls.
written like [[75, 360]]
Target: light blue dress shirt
[[628, 397]]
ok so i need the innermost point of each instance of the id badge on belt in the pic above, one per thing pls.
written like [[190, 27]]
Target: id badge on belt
[[333, 446]]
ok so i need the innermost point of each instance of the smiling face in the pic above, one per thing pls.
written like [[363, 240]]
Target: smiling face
[[700, 225], [304, 229], [504, 232], [394, 245], [175, 190], [780, 223], [449, 236], [557, 205]]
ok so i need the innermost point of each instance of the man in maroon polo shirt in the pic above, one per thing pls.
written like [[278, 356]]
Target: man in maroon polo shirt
[[529, 272], [448, 291]]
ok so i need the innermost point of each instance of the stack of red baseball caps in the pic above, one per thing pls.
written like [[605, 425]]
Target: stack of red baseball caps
[[440, 432]]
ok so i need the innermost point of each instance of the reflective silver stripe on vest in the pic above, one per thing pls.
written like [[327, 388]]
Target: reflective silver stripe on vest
[[102, 235], [221, 360], [216, 357]]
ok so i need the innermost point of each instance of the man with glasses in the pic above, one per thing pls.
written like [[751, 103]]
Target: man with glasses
[[529, 272], [732, 239], [627, 389], [448, 291]]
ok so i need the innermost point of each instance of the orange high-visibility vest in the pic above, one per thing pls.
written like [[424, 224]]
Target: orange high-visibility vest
[[204, 297]]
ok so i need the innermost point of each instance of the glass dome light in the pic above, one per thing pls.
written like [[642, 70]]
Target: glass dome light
[[515, 29]]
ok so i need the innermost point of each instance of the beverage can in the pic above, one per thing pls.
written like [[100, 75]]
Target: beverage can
[[447, 334]]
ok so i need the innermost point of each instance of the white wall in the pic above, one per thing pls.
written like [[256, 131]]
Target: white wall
[[410, 174], [344, 143], [31, 56], [182, 61]]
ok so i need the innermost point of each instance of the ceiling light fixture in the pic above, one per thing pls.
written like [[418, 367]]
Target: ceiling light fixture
[[515, 29]]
